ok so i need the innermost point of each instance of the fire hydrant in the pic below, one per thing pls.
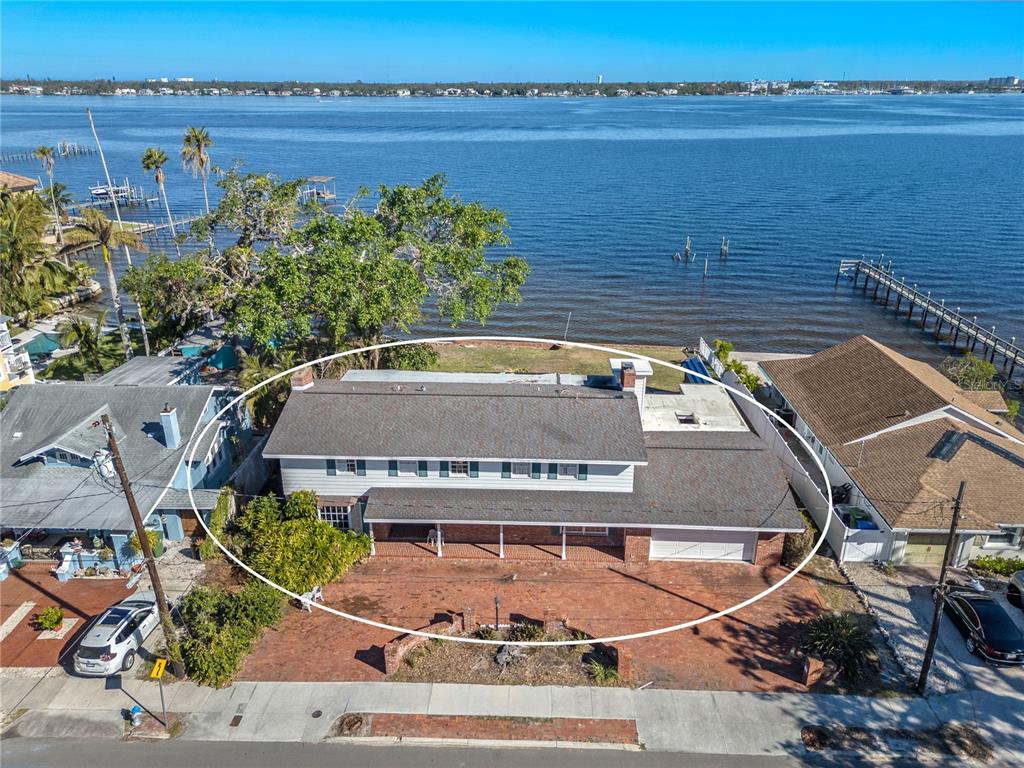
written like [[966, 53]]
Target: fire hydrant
[[136, 716]]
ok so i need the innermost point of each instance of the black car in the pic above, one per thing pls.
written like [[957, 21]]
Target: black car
[[988, 629]]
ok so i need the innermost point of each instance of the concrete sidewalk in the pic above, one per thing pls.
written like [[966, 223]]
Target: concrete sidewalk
[[667, 720]]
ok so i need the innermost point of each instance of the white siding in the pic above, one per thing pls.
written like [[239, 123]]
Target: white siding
[[299, 474]]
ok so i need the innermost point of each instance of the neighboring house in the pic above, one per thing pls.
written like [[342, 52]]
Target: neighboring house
[[15, 365], [58, 481], [12, 182], [573, 464], [904, 436]]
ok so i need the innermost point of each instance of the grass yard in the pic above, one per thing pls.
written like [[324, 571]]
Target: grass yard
[[484, 357]]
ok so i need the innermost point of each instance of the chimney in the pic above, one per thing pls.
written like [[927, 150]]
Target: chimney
[[169, 420], [628, 377], [303, 379]]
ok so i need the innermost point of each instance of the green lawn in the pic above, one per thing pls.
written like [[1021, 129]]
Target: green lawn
[[510, 358]]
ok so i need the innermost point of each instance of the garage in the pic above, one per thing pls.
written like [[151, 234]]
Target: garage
[[924, 549], [676, 544]]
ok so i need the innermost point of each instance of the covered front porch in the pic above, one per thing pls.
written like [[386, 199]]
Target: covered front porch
[[501, 541]]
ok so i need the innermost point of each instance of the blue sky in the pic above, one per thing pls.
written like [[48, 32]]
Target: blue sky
[[502, 41]]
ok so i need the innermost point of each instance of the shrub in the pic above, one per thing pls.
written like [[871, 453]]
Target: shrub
[[215, 660], [1002, 566], [485, 633], [222, 627], [50, 618], [836, 638], [208, 550], [8, 543], [106, 554], [301, 505], [526, 633], [154, 541], [602, 674]]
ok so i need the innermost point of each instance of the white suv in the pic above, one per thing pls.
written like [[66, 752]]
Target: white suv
[[111, 643]]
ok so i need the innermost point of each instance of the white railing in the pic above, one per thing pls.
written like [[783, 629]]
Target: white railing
[[709, 357]]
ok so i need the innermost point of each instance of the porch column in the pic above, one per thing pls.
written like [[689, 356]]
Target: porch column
[[440, 544], [563, 542], [373, 544], [501, 541]]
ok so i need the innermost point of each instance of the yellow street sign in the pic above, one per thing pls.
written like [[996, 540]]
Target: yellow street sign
[[158, 669]]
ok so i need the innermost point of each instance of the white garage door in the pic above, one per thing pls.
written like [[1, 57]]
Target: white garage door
[[671, 544]]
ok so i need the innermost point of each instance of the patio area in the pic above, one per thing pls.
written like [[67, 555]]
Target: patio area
[[512, 552], [751, 650]]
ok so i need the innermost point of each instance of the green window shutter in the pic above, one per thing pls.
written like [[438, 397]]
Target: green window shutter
[[392, 468], [535, 471], [581, 472], [474, 469], [361, 467], [332, 467], [552, 471], [421, 469], [506, 469], [444, 469]]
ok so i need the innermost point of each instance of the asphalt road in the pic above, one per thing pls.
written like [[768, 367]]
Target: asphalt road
[[53, 753]]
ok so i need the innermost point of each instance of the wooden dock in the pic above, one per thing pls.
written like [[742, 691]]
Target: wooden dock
[[948, 324]]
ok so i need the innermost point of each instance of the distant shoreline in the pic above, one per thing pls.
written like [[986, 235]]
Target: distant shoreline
[[469, 89]]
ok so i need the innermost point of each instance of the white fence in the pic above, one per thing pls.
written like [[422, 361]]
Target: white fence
[[848, 544], [709, 356]]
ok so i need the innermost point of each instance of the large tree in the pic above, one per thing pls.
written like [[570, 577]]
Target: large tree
[[87, 335], [99, 231]]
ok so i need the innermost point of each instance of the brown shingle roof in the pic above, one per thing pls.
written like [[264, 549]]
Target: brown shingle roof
[[16, 183], [859, 387], [989, 399], [912, 483]]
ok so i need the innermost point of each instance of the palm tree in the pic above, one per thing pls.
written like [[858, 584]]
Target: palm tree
[[153, 159], [100, 231], [58, 201], [22, 223], [195, 156], [45, 155], [88, 336]]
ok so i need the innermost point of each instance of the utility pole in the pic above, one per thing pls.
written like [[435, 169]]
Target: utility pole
[[173, 652], [940, 592]]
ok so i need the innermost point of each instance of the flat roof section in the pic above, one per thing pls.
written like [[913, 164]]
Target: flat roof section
[[696, 408]]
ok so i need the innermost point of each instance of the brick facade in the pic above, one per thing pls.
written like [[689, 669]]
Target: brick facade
[[637, 545], [769, 549]]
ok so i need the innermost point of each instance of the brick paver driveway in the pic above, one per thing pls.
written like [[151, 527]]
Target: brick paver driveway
[[81, 599], [748, 651]]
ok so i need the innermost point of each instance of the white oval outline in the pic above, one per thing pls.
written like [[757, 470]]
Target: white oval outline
[[197, 440]]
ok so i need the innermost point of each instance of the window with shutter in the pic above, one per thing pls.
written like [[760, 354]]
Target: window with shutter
[[535, 471], [552, 471], [361, 467], [444, 469], [506, 469], [582, 473], [332, 467], [392, 468], [474, 469], [421, 470]]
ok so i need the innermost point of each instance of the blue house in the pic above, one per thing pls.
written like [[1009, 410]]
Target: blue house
[[60, 496]]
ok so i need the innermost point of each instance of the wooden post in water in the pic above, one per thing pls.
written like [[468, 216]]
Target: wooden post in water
[[924, 317], [888, 286], [688, 250], [992, 355], [1006, 358], [942, 317], [910, 301], [956, 332], [899, 294], [974, 333], [874, 296]]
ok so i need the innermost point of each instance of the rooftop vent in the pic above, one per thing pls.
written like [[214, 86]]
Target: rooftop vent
[[686, 418]]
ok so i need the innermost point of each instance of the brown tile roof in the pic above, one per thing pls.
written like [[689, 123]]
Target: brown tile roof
[[859, 387], [912, 483], [15, 182], [989, 399]]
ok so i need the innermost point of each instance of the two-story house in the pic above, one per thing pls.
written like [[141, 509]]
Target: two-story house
[[507, 465], [57, 477], [903, 437]]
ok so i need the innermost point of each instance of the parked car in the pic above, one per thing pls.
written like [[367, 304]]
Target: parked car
[[1015, 589], [112, 640], [987, 628]]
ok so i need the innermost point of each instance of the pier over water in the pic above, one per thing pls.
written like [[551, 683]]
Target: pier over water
[[949, 324]]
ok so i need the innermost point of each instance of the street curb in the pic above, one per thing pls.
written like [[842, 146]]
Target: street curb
[[423, 741]]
